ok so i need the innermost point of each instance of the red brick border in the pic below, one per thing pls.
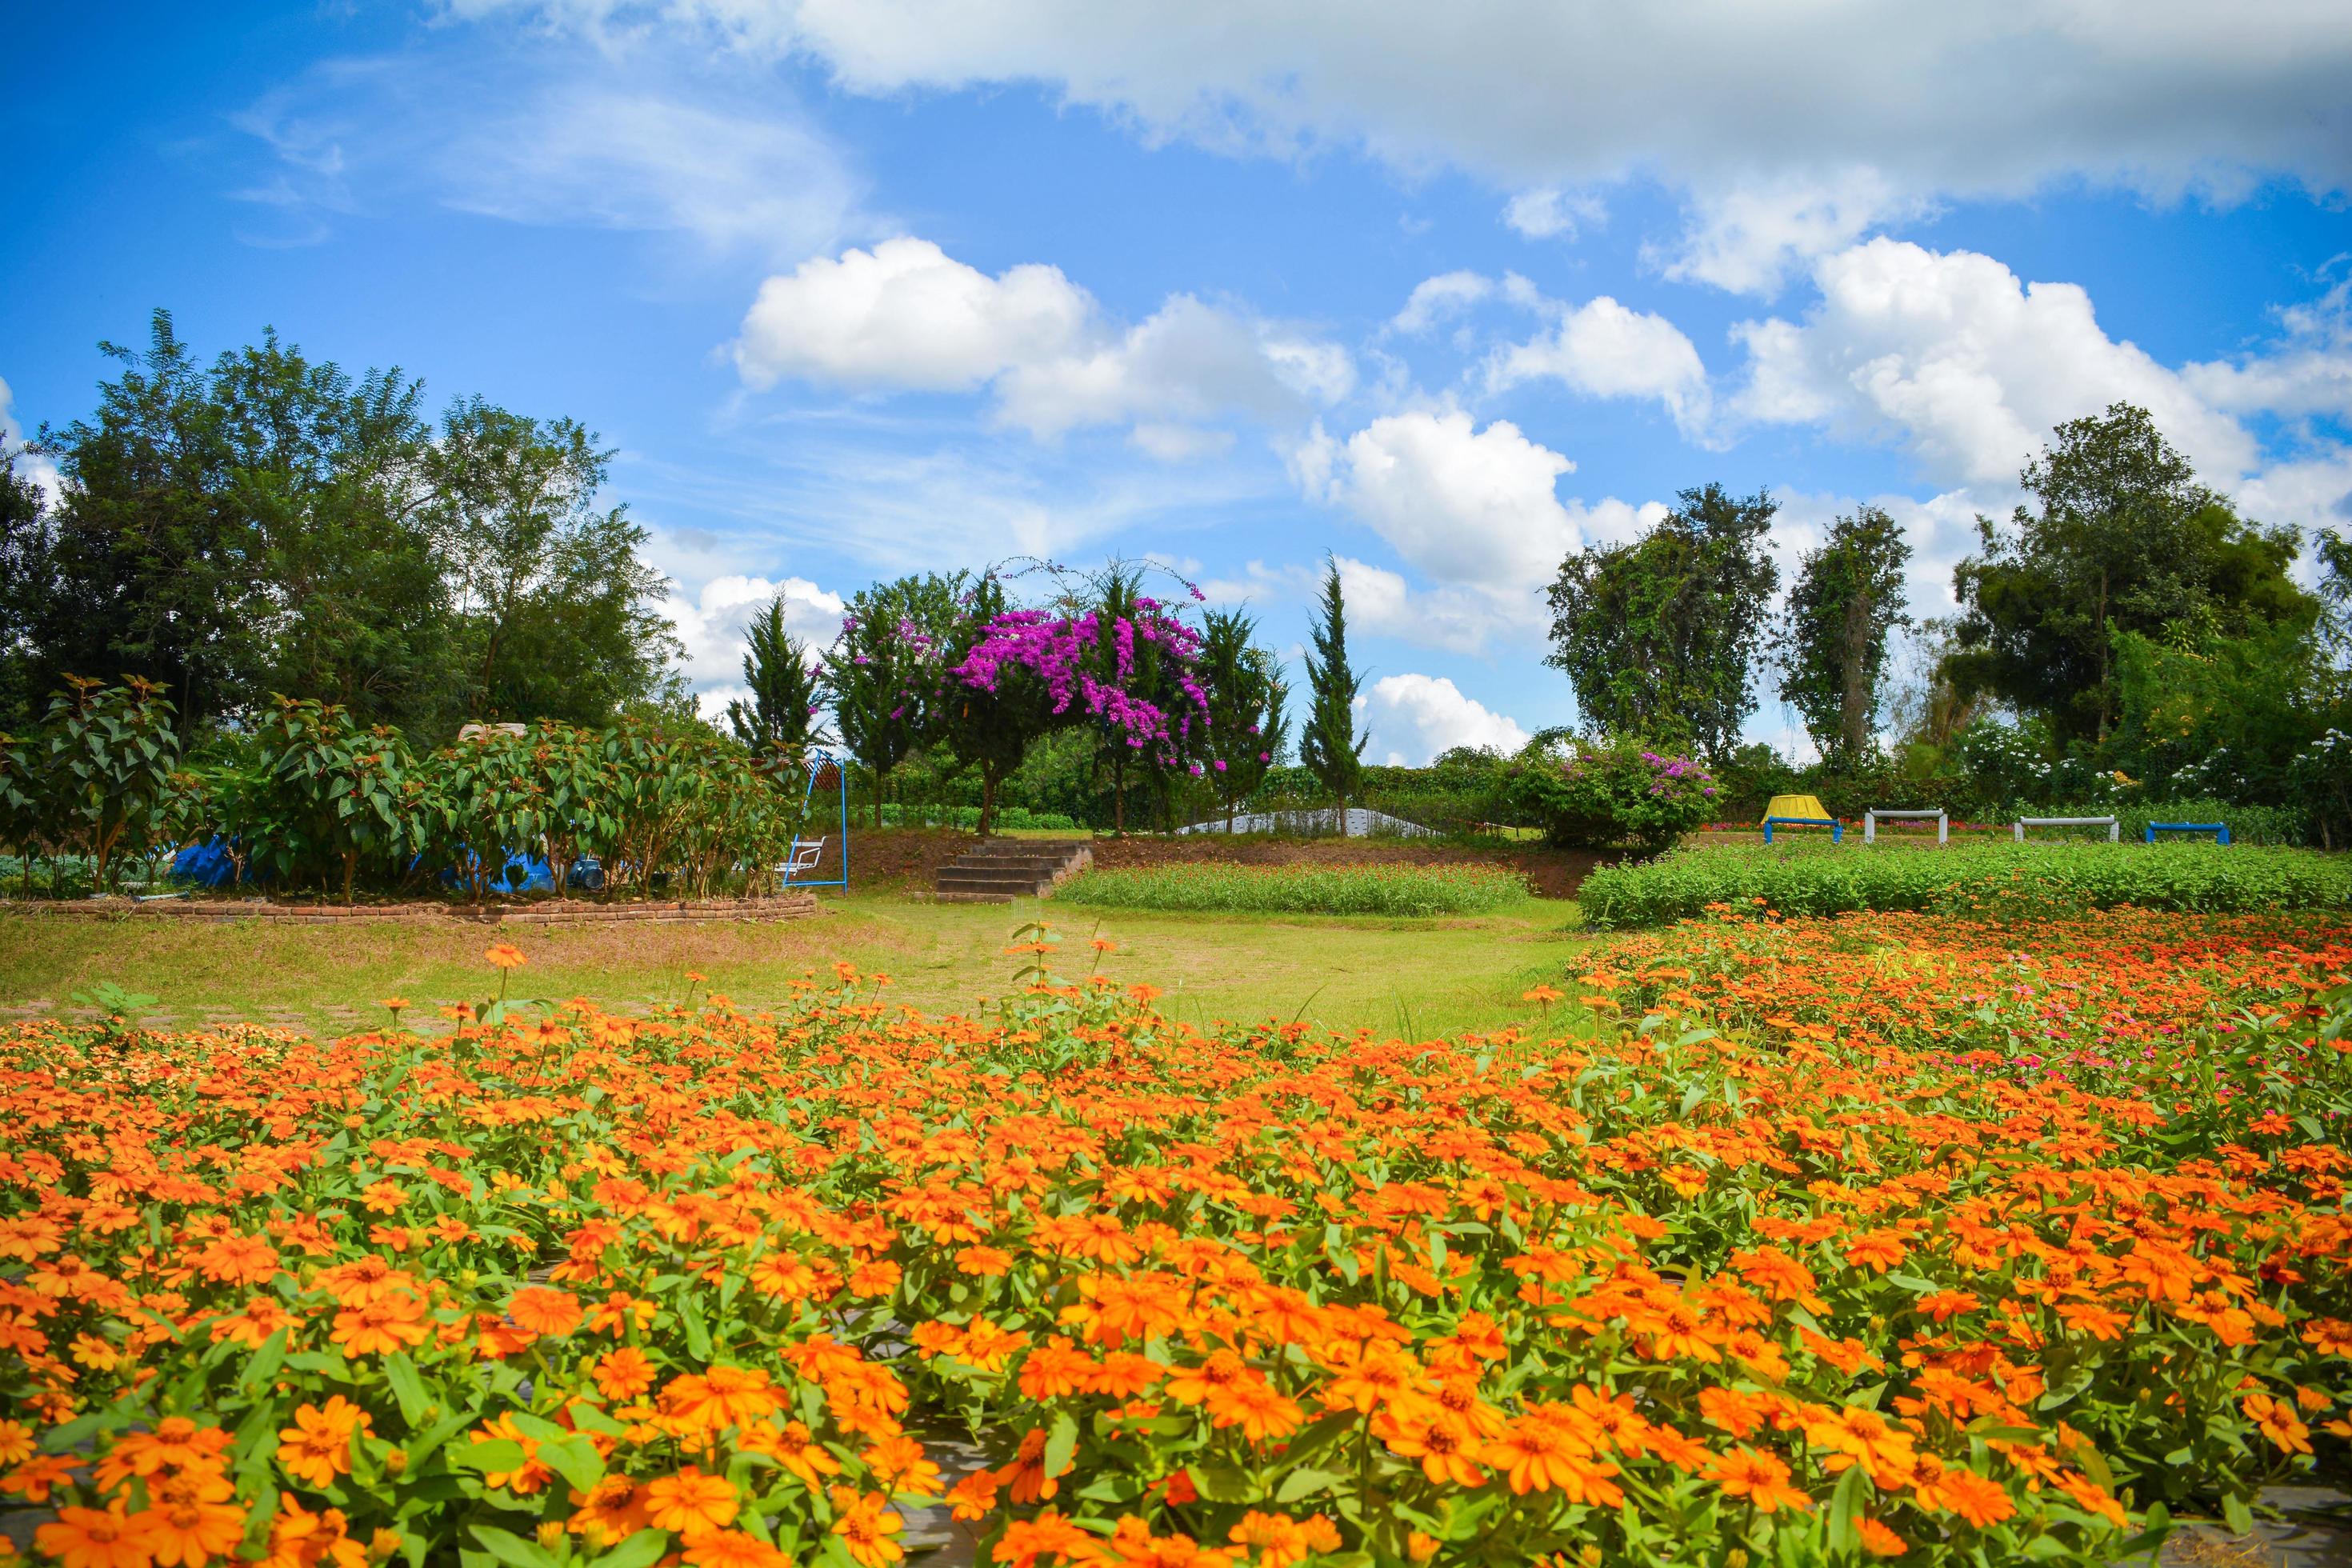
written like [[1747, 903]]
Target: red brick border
[[545, 912]]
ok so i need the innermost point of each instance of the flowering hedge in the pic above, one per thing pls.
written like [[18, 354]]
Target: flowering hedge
[[1597, 795], [1865, 1240]]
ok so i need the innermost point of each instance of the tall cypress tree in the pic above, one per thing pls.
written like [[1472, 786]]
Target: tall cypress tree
[[782, 675], [1328, 742]]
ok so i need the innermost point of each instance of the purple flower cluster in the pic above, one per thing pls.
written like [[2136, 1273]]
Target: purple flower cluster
[[1068, 655]]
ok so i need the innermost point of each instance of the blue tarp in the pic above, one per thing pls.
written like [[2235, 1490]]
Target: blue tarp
[[207, 864]]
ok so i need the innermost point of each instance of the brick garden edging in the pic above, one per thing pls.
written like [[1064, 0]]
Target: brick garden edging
[[548, 912]]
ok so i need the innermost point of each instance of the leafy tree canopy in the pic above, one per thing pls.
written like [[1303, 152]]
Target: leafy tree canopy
[[1659, 637], [2121, 538], [1849, 596]]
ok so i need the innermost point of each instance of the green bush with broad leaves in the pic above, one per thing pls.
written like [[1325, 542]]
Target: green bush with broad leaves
[[306, 799]]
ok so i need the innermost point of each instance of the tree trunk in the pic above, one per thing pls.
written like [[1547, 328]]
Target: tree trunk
[[987, 798]]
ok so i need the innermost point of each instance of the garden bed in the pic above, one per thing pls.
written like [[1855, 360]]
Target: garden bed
[[1815, 877], [1341, 889], [1888, 1235], [539, 912]]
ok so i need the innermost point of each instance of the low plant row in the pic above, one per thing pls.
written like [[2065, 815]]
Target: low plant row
[[1997, 880], [1303, 889]]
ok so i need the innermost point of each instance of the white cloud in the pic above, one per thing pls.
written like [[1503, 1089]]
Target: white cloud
[[2158, 96], [1746, 234], [42, 471], [1602, 349], [712, 624], [1411, 718], [1547, 211], [1439, 298], [906, 316], [1475, 512], [550, 135], [614, 157], [2308, 372], [1964, 364]]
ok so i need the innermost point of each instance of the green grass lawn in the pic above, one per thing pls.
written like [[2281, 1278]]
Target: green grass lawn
[[1418, 976]]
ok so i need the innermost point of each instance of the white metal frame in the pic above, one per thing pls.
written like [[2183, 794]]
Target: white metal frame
[[2114, 829], [1869, 822]]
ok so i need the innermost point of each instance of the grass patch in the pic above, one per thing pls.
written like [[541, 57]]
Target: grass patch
[[1412, 977], [1994, 881], [1303, 889]]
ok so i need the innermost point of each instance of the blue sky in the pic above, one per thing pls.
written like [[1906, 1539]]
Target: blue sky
[[859, 286]]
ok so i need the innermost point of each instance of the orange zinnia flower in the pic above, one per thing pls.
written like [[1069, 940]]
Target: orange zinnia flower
[[865, 1527], [1761, 1478], [505, 956], [317, 1447], [92, 1537], [545, 1311], [690, 1504]]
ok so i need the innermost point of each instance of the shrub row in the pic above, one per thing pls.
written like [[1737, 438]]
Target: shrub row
[[1008, 818], [1996, 880], [1303, 889]]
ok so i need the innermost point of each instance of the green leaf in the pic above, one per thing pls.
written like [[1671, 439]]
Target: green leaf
[[2237, 1515], [512, 1550], [407, 1387], [576, 1460], [1222, 1483], [1061, 1444], [639, 1551], [496, 1455], [1306, 1483], [697, 1333], [262, 1370]]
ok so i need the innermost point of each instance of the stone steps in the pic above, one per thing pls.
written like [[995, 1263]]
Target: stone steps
[[998, 870]]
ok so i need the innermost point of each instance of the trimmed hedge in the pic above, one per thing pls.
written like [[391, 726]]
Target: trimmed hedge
[[1997, 880], [1302, 889]]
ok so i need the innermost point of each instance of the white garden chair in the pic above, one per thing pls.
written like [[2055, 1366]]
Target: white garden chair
[[806, 853]]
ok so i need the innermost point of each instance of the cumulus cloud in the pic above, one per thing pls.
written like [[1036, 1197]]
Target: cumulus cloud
[[1438, 300], [1410, 718], [1952, 354], [1603, 349], [2163, 97], [1747, 235], [905, 315], [712, 626], [42, 471], [1547, 211], [1475, 512]]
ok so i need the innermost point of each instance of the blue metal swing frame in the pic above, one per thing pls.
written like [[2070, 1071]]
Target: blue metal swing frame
[[817, 762]]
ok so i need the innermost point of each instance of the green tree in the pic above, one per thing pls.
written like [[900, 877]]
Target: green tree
[[1661, 637], [557, 615], [883, 672], [784, 676], [154, 571], [27, 563], [988, 728], [2122, 539], [1849, 596], [1246, 693], [1329, 745]]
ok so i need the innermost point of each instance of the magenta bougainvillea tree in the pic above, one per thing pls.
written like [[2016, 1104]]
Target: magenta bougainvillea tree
[[1124, 663]]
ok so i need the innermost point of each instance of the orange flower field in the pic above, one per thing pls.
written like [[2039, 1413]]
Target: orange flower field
[[1875, 1238]]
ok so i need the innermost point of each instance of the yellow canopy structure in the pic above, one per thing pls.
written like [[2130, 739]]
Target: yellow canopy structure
[[1801, 807]]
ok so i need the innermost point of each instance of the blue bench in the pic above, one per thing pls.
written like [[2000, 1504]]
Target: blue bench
[[1837, 828], [2221, 830]]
